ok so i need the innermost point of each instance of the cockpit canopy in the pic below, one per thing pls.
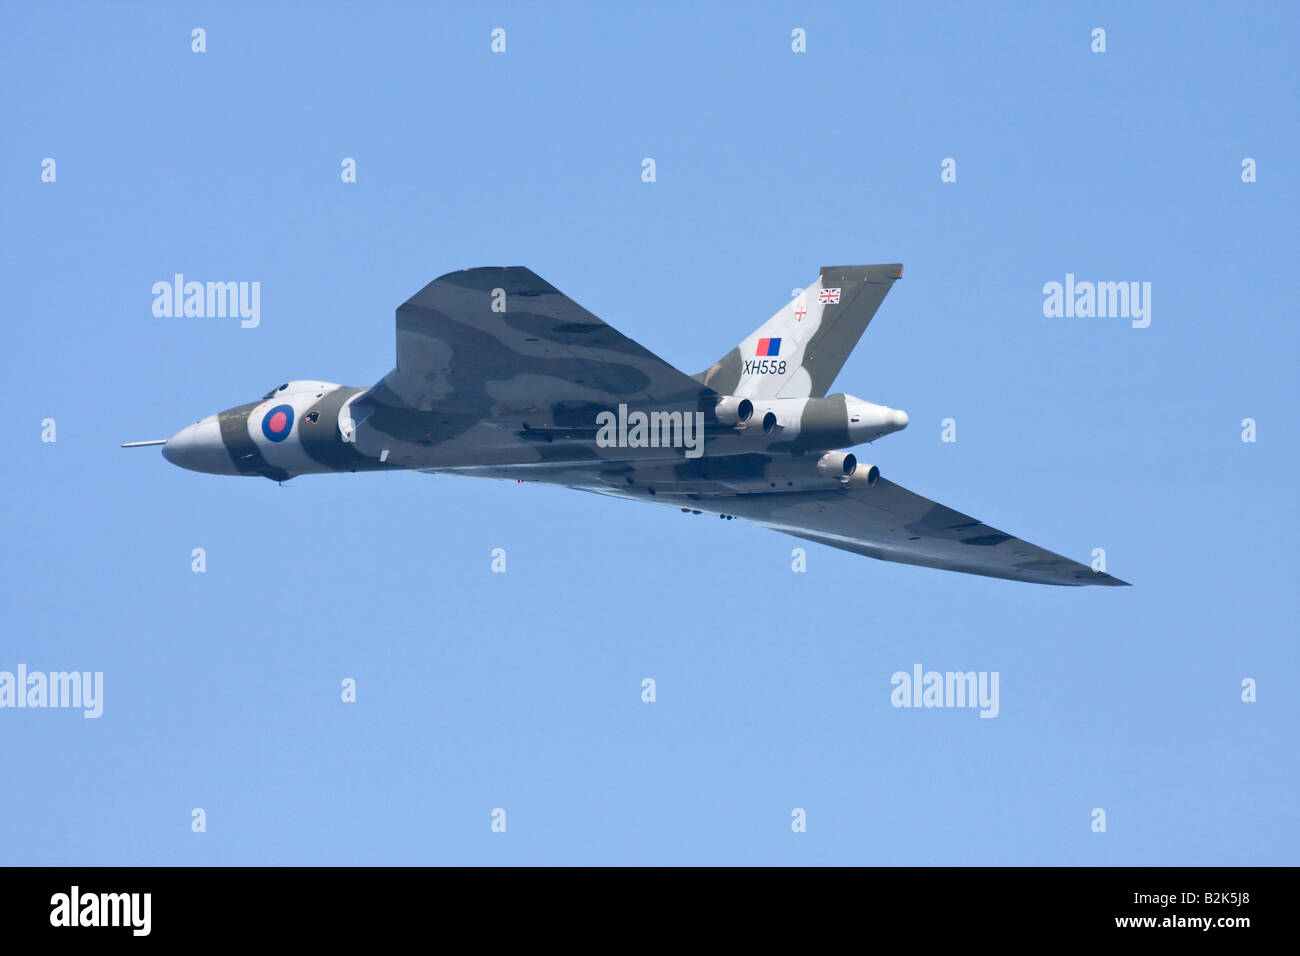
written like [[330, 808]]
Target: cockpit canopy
[[290, 388]]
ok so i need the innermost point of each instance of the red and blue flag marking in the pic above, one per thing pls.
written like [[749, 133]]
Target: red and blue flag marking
[[769, 347]]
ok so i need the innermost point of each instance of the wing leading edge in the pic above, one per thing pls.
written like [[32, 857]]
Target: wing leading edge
[[472, 340]]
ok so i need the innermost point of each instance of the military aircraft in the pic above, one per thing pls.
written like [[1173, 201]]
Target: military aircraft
[[501, 375]]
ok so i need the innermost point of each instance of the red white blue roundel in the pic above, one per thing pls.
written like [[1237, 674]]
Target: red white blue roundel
[[278, 422]]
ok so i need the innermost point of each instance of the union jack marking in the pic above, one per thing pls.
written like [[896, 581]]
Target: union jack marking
[[830, 296]]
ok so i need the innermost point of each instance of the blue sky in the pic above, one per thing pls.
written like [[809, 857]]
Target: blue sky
[[523, 690]]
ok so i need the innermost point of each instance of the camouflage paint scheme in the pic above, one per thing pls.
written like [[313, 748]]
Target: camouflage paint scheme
[[500, 375]]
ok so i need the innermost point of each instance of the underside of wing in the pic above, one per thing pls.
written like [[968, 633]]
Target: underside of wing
[[501, 339], [891, 523]]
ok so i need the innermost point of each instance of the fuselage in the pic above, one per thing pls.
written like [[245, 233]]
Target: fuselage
[[313, 427]]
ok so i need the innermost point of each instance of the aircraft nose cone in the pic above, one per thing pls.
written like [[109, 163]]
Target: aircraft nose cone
[[898, 418], [199, 447], [178, 446]]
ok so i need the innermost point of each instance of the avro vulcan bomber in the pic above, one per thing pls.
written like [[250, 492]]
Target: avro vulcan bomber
[[501, 375]]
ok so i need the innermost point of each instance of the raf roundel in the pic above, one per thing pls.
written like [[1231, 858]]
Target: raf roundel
[[278, 422]]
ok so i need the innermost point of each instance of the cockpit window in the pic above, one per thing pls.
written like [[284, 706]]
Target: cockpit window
[[271, 393]]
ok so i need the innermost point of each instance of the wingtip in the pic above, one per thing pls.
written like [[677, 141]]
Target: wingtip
[[1099, 579]]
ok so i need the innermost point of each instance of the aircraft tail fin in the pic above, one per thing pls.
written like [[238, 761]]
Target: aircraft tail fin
[[798, 352]]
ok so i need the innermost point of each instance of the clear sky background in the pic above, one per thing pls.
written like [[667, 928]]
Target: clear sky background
[[523, 690]]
